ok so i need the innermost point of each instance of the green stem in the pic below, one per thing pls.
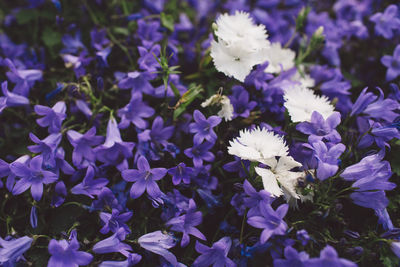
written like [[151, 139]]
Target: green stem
[[242, 228]]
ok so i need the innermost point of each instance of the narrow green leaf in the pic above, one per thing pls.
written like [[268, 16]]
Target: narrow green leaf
[[191, 94], [167, 21]]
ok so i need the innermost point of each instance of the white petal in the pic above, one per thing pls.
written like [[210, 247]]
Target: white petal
[[269, 181]]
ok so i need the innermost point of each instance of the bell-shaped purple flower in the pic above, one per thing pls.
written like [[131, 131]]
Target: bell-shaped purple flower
[[89, 186], [159, 243], [131, 260], [113, 244], [32, 176], [253, 199], [66, 253], [46, 147], [52, 117], [217, 255], [10, 99], [327, 157], [11, 250], [114, 151], [144, 179]]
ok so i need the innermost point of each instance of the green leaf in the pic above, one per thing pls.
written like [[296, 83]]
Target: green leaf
[[121, 30], [167, 21], [26, 15], [51, 38], [191, 94], [175, 90]]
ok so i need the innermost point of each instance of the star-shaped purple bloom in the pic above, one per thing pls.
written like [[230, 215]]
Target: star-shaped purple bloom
[[65, 253], [186, 224], [181, 173], [217, 255], [114, 220], [392, 64], [320, 129], [83, 144], [386, 22], [32, 177], [134, 112], [53, 117], [144, 179], [113, 244], [254, 199], [200, 152], [203, 128], [270, 220], [89, 186]]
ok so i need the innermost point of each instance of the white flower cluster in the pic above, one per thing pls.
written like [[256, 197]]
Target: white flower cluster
[[261, 145], [241, 45]]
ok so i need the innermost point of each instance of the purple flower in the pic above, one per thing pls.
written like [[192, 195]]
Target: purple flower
[[5, 171], [181, 173], [186, 224], [321, 129], [132, 260], [113, 244], [134, 112], [144, 179], [217, 255], [46, 147], [302, 235], [32, 177], [270, 220], [138, 81], [53, 117], [392, 63], [11, 99], [254, 199], [11, 250], [240, 102], [159, 243], [83, 144], [24, 79], [203, 128], [200, 152], [327, 157], [113, 221], [98, 38], [106, 199], [158, 134], [60, 192], [293, 259], [89, 186], [114, 151], [329, 257], [66, 253], [148, 32], [147, 60], [387, 22]]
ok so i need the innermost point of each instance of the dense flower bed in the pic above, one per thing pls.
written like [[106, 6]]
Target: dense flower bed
[[199, 133]]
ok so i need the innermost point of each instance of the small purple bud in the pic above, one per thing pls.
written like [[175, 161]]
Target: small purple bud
[[33, 217]]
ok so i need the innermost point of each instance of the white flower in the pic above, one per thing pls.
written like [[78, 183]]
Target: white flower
[[280, 172], [226, 111], [241, 44], [301, 102], [279, 59], [257, 145]]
